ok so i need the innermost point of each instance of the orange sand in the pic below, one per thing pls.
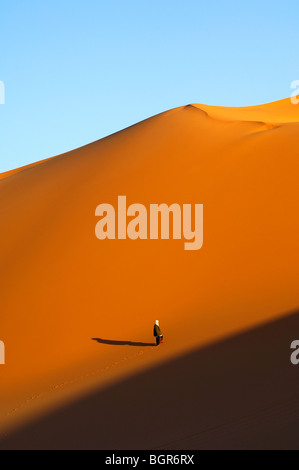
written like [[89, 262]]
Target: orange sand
[[61, 286]]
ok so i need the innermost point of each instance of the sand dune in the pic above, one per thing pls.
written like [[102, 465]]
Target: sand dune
[[240, 393], [61, 286]]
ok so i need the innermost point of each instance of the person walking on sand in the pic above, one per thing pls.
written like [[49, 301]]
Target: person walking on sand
[[157, 333]]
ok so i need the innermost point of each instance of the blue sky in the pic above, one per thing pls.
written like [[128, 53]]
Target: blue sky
[[75, 71]]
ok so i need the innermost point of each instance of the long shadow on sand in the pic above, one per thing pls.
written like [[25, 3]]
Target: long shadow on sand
[[238, 393], [122, 343]]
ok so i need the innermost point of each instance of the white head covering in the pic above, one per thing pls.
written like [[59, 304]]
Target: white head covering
[[157, 322]]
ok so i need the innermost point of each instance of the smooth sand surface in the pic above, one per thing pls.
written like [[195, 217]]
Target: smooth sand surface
[[77, 313], [239, 393]]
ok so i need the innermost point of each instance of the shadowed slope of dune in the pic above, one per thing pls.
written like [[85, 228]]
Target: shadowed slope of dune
[[240, 393], [60, 286]]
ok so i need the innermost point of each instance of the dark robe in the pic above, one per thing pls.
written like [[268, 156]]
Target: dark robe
[[157, 331]]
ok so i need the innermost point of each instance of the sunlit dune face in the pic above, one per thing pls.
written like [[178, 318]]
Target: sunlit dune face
[[61, 286]]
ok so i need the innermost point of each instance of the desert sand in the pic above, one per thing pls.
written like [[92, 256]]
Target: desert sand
[[77, 313]]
